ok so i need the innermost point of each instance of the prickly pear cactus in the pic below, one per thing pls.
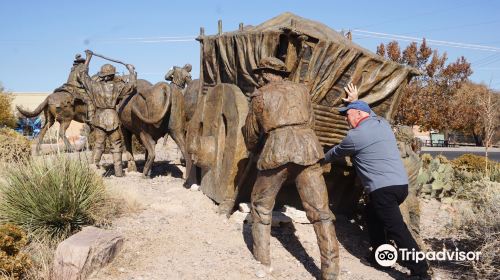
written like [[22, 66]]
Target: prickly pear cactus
[[437, 179]]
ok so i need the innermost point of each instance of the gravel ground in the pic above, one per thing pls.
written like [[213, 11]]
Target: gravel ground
[[175, 233]]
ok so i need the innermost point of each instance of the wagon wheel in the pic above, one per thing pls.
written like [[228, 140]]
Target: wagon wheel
[[222, 152]]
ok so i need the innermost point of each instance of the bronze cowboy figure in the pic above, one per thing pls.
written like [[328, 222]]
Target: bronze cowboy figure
[[104, 93], [279, 127]]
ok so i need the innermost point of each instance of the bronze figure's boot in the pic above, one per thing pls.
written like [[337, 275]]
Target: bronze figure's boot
[[329, 249], [261, 241], [117, 160]]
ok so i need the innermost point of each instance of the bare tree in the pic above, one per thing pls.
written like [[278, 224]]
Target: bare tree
[[488, 103]]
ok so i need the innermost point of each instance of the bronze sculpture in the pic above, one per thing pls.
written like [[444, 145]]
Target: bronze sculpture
[[180, 76], [104, 94], [279, 128], [410, 208], [318, 57], [150, 114], [65, 104]]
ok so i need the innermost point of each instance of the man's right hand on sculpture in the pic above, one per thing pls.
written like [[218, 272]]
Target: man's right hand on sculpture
[[352, 93]]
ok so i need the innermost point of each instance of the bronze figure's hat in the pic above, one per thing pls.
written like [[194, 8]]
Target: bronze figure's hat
[[78, 58], [272, 63], [106, 70]]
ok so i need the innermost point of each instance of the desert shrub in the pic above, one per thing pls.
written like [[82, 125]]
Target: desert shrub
[[441, 178], [479, 227], [442, 159], [13, 146], [51, 195], [475, 164], [7, 117], [13, 263]]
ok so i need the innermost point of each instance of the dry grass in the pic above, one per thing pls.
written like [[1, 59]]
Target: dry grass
[[477, 164], [479, 226], [41, 250], [13, 146], [14, 263], [71, 189]]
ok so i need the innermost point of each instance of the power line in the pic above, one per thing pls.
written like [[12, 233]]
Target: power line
[[148, 40], [488, 68], [487, 58], [405, 18], [488, 62], [427, 40], [365, 33], [156, 38], [453, 27]]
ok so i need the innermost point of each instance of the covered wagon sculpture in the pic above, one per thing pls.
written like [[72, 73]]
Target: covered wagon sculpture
[[317, 56]]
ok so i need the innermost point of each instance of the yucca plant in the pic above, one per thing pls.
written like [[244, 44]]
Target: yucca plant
[[51, 195]]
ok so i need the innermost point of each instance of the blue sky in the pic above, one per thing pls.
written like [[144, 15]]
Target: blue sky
[[38, 39]]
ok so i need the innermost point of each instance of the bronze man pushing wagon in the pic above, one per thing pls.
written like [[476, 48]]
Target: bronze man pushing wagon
[[322, 61]]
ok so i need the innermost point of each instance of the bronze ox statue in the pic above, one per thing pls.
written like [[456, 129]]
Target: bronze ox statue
[[150, 114]]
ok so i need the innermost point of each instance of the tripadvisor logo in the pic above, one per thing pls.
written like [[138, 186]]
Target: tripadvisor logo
[[387, 255]]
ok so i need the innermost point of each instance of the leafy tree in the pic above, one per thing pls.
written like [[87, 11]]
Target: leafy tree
[[427, 98], [466, 106], [7, 117]]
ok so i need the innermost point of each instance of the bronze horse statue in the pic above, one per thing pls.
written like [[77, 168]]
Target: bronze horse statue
[[59, 106]]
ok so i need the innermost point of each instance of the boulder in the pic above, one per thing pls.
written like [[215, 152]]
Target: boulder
[[85, 252]]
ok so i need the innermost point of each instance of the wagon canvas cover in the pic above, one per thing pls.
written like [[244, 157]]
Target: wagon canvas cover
[[317, 56]]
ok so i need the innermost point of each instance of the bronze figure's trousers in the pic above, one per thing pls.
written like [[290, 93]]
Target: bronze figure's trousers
[[90, 111], [312, 190], [115, 138]]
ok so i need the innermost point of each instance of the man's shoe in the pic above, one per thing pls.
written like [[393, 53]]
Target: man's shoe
[[370, 259], [419, 277]]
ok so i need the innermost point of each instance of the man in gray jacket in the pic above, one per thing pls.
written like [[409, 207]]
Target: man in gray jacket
[[372, 146]]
